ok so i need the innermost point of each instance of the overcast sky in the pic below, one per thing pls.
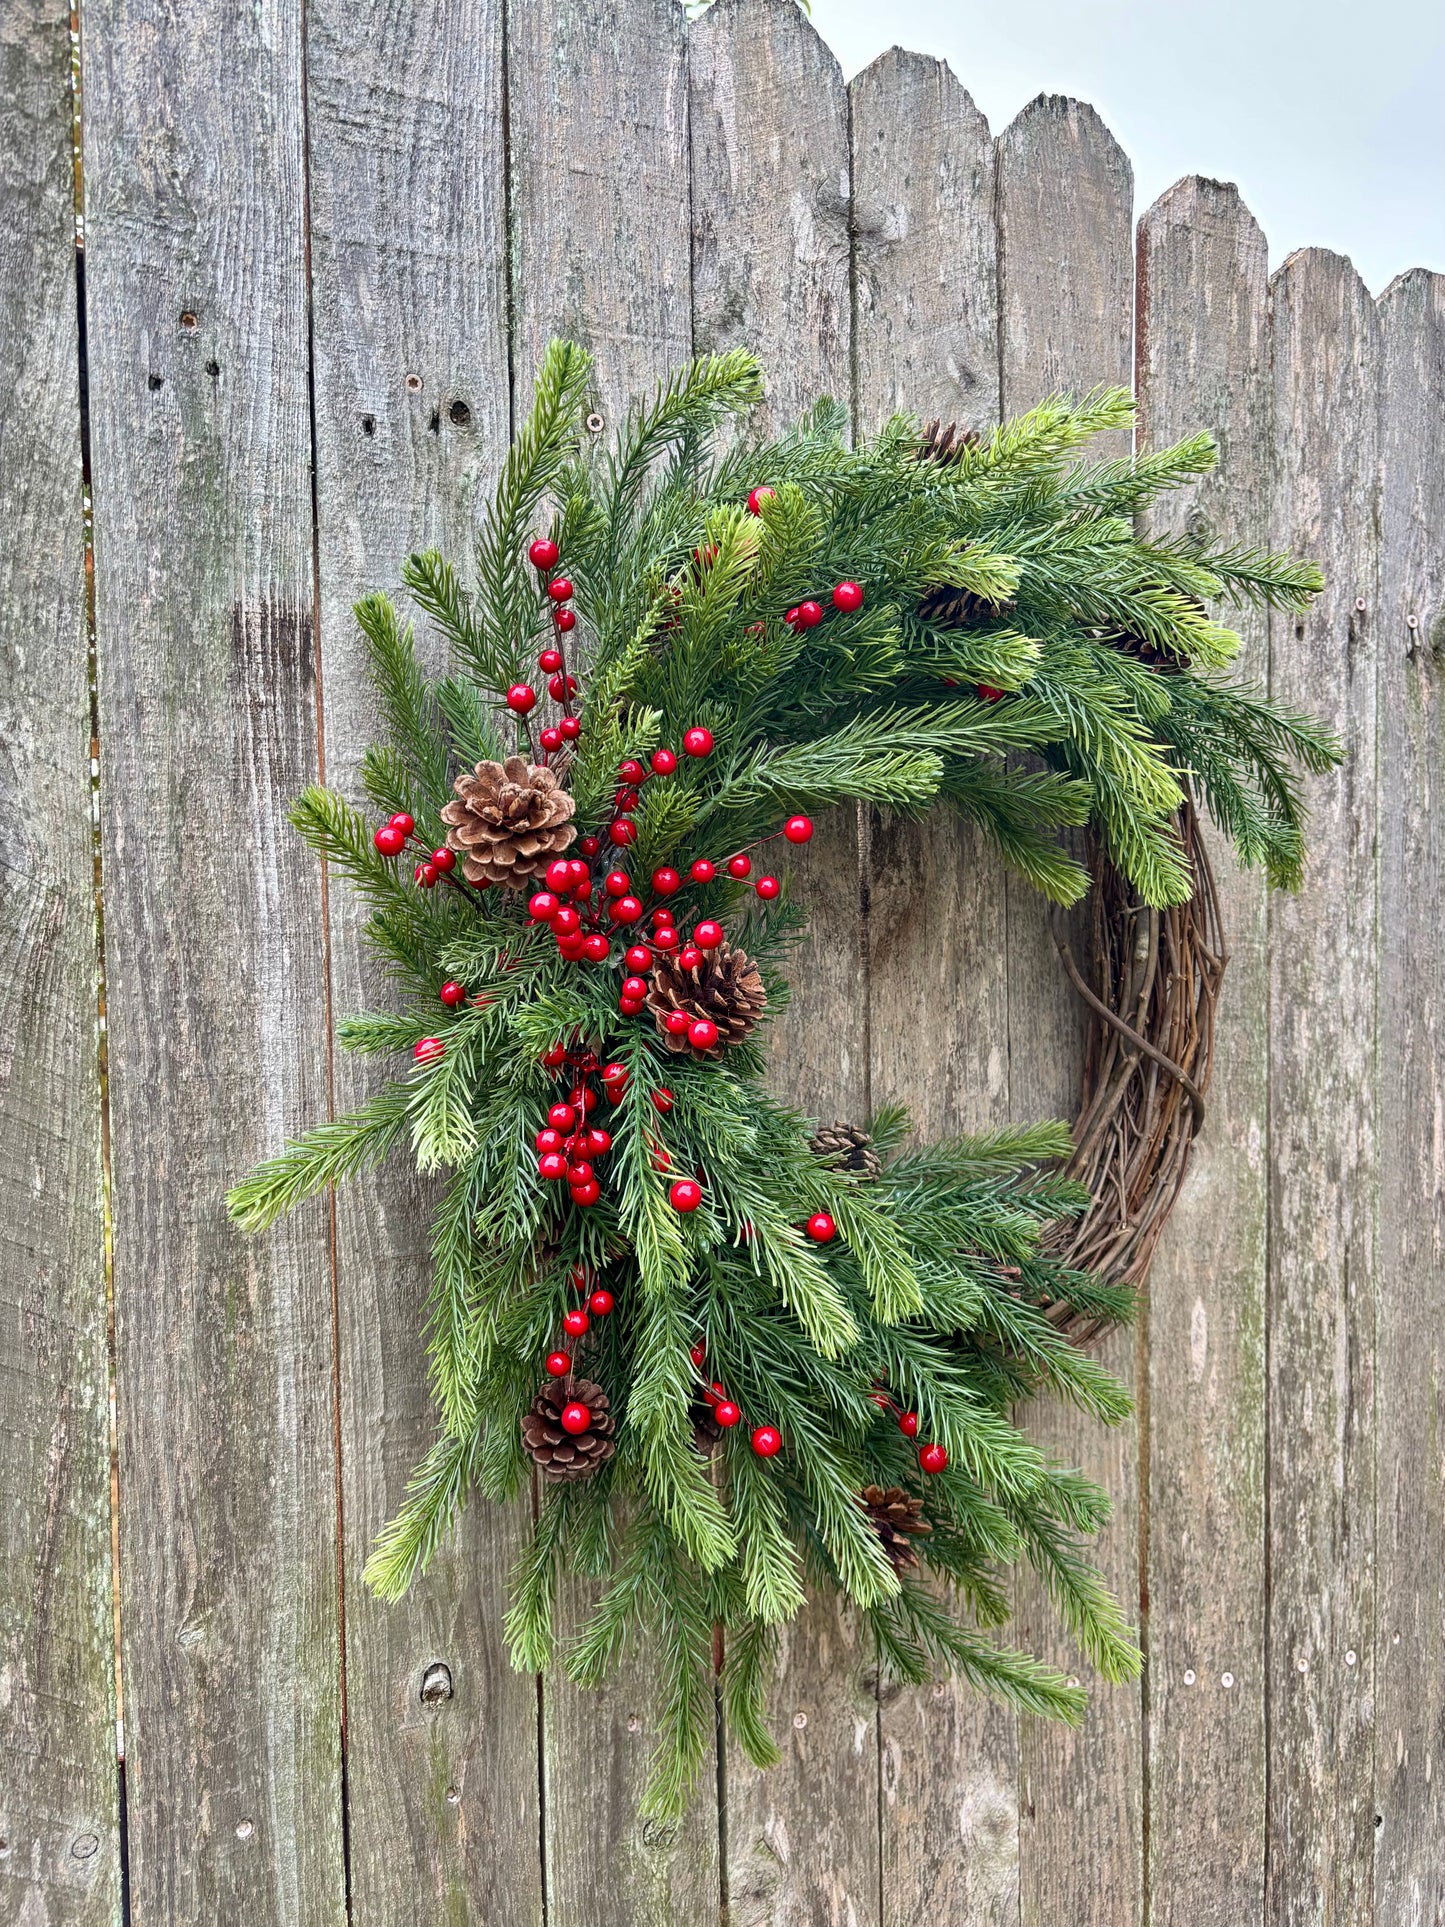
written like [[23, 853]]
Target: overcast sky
[[1329, 115]]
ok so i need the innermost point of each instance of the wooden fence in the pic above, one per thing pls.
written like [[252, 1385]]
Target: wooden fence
[[322, 247]]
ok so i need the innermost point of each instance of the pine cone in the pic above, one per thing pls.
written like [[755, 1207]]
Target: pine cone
[[844, 1147], [508, 822], [945, 445], [949, 608], [895, 1515], [726, 986], [568, 1455]]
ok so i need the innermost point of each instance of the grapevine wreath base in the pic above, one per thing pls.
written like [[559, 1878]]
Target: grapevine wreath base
[[734, 1353]]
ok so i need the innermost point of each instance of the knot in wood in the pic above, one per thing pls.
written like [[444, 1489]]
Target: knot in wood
[[436, 1684]]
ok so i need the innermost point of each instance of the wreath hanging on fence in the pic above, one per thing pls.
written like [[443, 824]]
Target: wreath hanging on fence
[[737, 1352]]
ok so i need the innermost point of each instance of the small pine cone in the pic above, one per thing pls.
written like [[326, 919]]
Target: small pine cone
[[843, 1147], [949, 608], [508, 822], [705, 1429], [559, 1454], [945, 445], [896, 1515], [726, 986]]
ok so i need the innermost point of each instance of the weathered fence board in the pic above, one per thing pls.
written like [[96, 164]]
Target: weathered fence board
[[1409, 1683], [59, 1837], [1322, 1280], [196, 302], [1203, 363], [1066, 283], [407, 178]]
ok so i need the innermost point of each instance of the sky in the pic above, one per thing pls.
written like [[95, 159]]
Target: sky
[[1329, 116]]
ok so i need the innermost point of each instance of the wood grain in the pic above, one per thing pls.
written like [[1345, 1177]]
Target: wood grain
[[409, 307], [1322, 1134], [204, 609], [59, 1826], [1065, 321], [927, 340], [1203, 363], [1409, 1877]]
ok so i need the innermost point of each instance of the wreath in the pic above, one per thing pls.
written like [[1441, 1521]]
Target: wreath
[[740, 1354]]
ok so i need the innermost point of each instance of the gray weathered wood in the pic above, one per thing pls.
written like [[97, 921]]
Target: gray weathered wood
[[1409, 1882], [598, 112], [60, 1857], [409, 306], [1322, 1280], [771, 269], [927, 340], [1203, 363], [1065, 321], [195, 209]]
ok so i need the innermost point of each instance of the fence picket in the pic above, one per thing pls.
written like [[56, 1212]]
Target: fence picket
[[58, 1807], [1065, 320], [927, 340], [1321, 1485], [1203, 363]]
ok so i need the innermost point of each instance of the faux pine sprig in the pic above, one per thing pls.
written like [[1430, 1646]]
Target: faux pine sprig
[[740, 1356]]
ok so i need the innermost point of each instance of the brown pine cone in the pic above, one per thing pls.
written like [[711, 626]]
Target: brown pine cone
[[945, 445], [569, 1455], [843, 1147], [508, 822], [896, 1515], [949, 608], [726, 986]]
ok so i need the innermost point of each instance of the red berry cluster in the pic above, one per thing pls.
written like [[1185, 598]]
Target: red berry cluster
[[394, 835], [544, 556], [597, 1302], [932, 1458], [567, 1144], [766, 1440]]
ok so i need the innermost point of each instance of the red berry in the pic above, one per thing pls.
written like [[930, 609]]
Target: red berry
[[452, 994], [572, 947], [575, 1417], [543, 905], [565, 619], [767, 888], [562, 1117], [821, 1228], [550, 660], [757, 497], [767, 1440], [933, 1458], [521, 698], [401, 821], [389, 840], [629, 770], [626, 910], [690, 957], [565, 921], [791, 618], [726, 1413], [589, 1101], [708, 935], [623, 832], [676, 1023], [557, 1364], [599, 1142], [810, 614], [426, 875], [560, 589], [575, 1322], [848, 596], [570, 729], [543, 553], [664, 762], [586, 1194], [908, 1424], [698, 741], [698, 1356], [550, 738], [596, 947], [661, 1157], [702, 1033], [798, 829], [666, 881], [625, 800], [617, 883], [634, 986], [579, 1172], [589, 845], [665, 938], [552, 1164], [684, 1195], [739, 866], [554, 1057], [548, 1140], [429, 1050], [614, 1075], [703, 871], [639, 957], [662, 1099], [989, 694], [559, 874], [600, 1303], [444, 859]]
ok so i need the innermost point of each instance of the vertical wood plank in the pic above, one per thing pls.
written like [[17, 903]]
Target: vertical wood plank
[[1322, 1122], [1203, 363], [771, 269], [1065, 194], [926, 316], [407, 171], [601, 251], [1410, 1361], [204, 608], [58, 1809]]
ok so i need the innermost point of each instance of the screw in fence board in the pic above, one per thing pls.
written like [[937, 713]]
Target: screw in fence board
[[207, 688], [59, 1827], [1322, 1135], [409, 324], [926, 318], [1065, 192], [1409, 1875], [601, 251], [1203, 363], [771, 270]]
